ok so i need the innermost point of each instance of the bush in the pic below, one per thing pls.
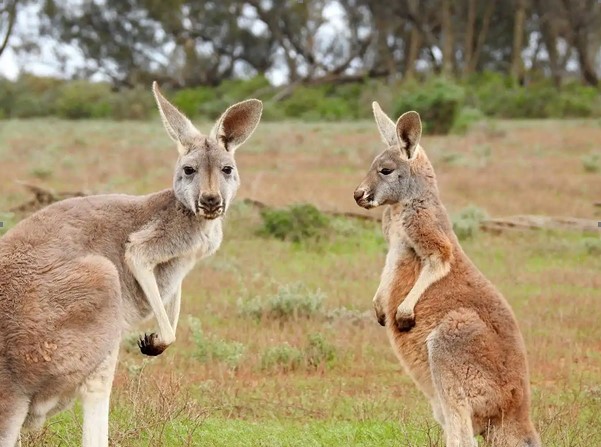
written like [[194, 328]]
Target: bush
[[82, 99], [291, 302], [286, 358], [467, 117], [466, 223], [283, 358], [192, 101], [592, 245], [209, 348], [319, 351], [132, 104], [438, 101], [296, 223], [444, 104], [591, 162]]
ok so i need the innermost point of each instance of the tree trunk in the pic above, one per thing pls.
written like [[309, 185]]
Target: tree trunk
[[11, 10], [415, 39], [468, 52], [482, 35], [447, 38], [518, 40], [586, 67], [549, 35]]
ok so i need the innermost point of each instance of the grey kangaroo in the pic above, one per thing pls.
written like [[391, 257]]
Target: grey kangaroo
[[77, 274]]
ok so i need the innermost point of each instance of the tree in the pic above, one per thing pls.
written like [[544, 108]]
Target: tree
[[8, 17]]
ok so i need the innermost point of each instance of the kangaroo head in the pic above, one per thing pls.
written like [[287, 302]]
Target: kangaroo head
[[402, 171], [206, 179]]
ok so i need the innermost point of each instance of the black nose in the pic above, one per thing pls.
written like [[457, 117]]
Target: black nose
[[210, 201], [358, 194]]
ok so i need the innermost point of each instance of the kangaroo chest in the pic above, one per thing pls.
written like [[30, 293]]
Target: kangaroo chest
[[170, 274], [402, 264]]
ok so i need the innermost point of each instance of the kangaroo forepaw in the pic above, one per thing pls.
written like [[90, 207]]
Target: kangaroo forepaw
[[150, 345], [405, 321]]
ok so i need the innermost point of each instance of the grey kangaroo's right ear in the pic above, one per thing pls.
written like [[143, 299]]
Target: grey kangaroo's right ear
[[178, 127], [409, 132], [237, 124], [385, 125]]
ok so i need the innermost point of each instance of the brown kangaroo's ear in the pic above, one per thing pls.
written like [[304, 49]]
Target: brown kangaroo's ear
[[385, 125], [409, 132], [178, 127], [237, 124]]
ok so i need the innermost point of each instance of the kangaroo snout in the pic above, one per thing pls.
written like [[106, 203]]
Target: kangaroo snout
[[363, 198], [211, 204]]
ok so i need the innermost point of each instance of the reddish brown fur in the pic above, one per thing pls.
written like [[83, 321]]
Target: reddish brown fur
[[463, 348]]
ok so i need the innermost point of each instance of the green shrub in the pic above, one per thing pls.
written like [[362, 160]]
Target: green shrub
[[210, 348], [324, 102], [318, 351], [132, 104], [592, 245], [241, 89], [192, 101], [291, 302], [296, 223], [282, 358], [81, 99], [591, 162], [467, 117], [466, 223], [438, 101]]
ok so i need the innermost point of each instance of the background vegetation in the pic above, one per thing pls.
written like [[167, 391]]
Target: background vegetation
[[455, 61], [278, 344]]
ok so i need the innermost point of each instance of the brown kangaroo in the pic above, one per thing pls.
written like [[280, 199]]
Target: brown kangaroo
[[452, 330]]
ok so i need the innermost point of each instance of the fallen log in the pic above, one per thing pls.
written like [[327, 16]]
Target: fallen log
[[44, 197], [535, 222]]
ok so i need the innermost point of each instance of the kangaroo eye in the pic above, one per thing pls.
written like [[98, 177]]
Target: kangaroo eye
[[227, 169], [386, 171], [189, 170]]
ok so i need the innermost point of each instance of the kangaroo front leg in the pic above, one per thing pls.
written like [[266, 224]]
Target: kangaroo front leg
[[153, 344], [174, 309], [434, 269]]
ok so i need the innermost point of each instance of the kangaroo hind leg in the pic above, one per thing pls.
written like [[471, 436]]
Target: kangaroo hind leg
[[455, 374]]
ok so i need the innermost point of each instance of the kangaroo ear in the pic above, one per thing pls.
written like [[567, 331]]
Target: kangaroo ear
[[237, 124], [385, 125], [409, 132], [178, 127]]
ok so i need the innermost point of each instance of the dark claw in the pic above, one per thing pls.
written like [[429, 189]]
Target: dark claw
[[405, 324], [150, 346]]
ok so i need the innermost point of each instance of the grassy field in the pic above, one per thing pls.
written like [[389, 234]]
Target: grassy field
[[250, 369]]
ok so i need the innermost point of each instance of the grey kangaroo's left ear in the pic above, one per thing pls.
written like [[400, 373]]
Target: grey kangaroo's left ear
[[409, 132]]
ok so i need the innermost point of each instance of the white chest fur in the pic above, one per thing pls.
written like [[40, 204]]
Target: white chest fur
[[170, 274], [399, 247]]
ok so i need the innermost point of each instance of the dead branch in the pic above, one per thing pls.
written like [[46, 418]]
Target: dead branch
[[42, 197]]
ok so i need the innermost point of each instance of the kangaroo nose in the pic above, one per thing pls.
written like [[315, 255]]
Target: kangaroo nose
[[358, 194], [210, 201]]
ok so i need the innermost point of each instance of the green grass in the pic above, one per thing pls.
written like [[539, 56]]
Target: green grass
[[225, 383]]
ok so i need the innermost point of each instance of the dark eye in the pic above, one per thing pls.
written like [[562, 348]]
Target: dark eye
[[227, 169], [386, 171], [189, 170]]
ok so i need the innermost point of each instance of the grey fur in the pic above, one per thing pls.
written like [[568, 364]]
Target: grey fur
[[78, 274]]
